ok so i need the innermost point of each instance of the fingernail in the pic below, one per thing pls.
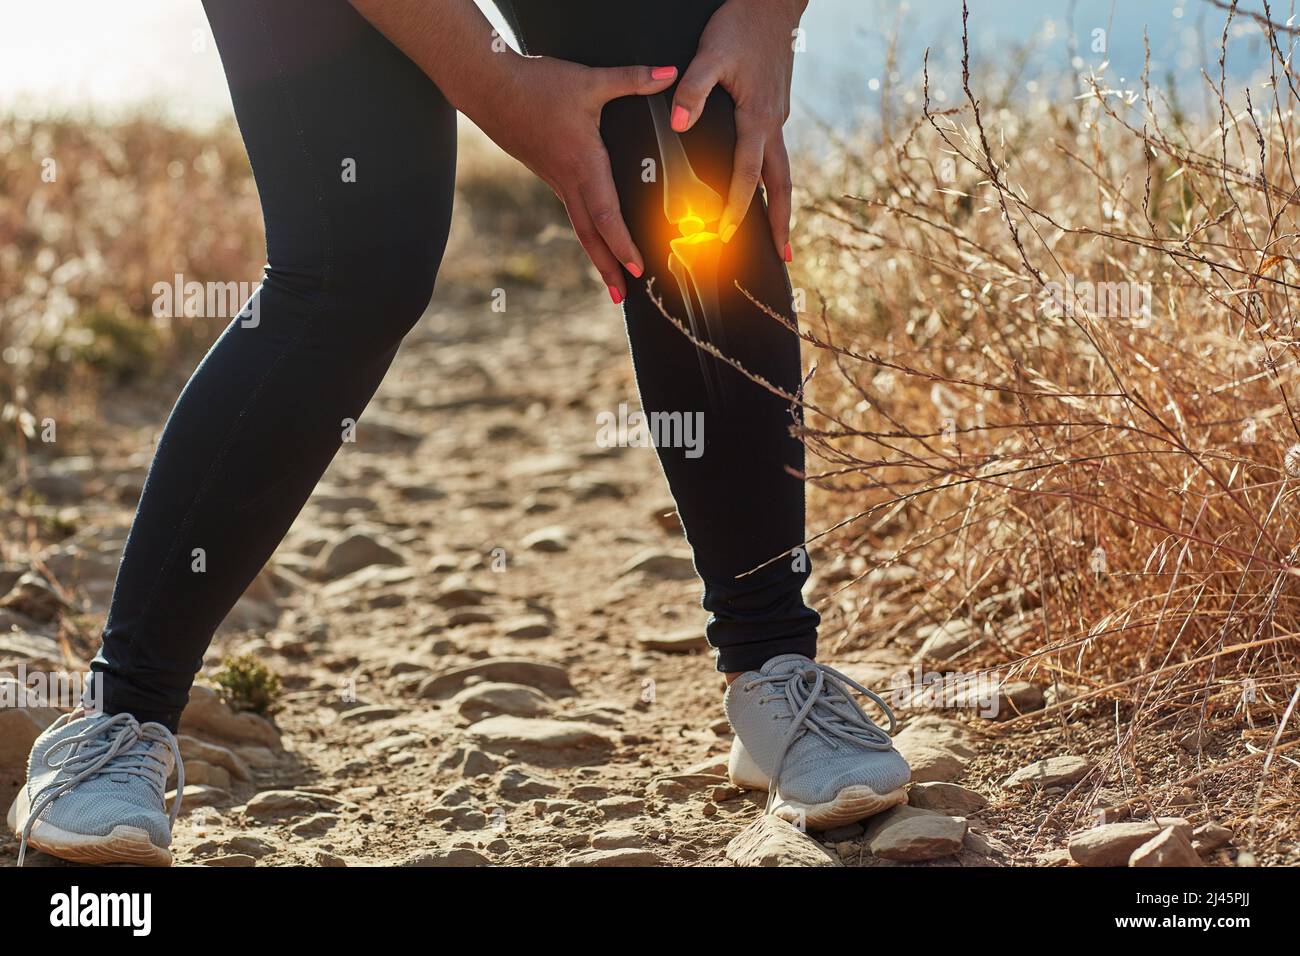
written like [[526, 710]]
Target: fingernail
[[789, 254], [633, 268], [728, 231], [680, 118], [615, 294], [663, 72]]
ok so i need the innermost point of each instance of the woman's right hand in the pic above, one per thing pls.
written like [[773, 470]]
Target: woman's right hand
[[548, 117]]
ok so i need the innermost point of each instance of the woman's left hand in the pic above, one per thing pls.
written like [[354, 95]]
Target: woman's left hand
[[748, 49]]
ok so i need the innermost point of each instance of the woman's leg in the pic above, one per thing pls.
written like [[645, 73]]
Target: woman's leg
[[353, 150], [740, 501]]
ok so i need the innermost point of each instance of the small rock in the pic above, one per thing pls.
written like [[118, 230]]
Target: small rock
[[490, 698], [625, 857], [1170, 848], [770, 841], [617, 840], [617, 807], [931, 764], [665, 565], [516, 784], [270, 804], [688, 641], [948, 798], [355, 551], [207, 713], [459, 857], [1110, 844], [918, 838], [1183, 826], [477, 763], [314, 825], [251, 846], [233, 859], [369, 713], [1209, 837], [22, 720], [32, 596], [545, 740], [946, 642], [205, 774], [527, 627], [551, 540], [680, 786], [198, 795], [548, 678], [1060, 771], [456, 592]]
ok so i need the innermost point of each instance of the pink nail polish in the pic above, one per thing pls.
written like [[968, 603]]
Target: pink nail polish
[[789, 254], [615, 295], [680, 118], [633, 268], [663, 72]]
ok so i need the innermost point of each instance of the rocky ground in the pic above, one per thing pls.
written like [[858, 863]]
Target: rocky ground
[[488, 632]]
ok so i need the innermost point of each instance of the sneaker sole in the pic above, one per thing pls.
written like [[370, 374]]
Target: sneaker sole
[[849, 805], [123, 844]]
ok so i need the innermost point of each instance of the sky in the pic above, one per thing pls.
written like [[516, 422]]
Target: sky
[[111, 55]]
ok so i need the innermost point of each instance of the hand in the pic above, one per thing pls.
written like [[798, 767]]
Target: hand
[[748, 49], [548, 118]]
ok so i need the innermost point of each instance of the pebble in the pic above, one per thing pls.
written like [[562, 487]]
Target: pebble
[[355, 551], [948, 798], [1110, 844], [917, 838], [315, 825], [490, 698], [32, 596], [617, 839], [527, 627], [551, 741], [369, 713], [665, 565], [458, 857], [207, 713], [198, 795], [1059, 771], [552, 540], [1209, 837], [690, 640], [773, 842], [1170, 848], [270, 804], [549, 678], [625, 857], [946, 642]]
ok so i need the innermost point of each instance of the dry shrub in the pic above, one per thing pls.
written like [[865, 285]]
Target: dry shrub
[[92, 215], [1102, 481]]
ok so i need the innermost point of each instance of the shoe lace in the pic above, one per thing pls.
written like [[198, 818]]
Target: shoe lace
[[820, 704], [117, 745]]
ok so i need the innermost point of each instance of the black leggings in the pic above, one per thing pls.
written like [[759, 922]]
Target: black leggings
[[350, 269]]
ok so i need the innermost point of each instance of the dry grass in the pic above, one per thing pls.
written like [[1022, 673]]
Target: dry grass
[[1107, 495]]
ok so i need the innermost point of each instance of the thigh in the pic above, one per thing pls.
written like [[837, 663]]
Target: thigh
[[352, 146]]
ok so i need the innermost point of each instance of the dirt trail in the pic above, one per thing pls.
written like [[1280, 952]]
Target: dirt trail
[[490, 640]]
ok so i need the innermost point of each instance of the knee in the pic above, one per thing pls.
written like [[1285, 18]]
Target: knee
[[385, 288]]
